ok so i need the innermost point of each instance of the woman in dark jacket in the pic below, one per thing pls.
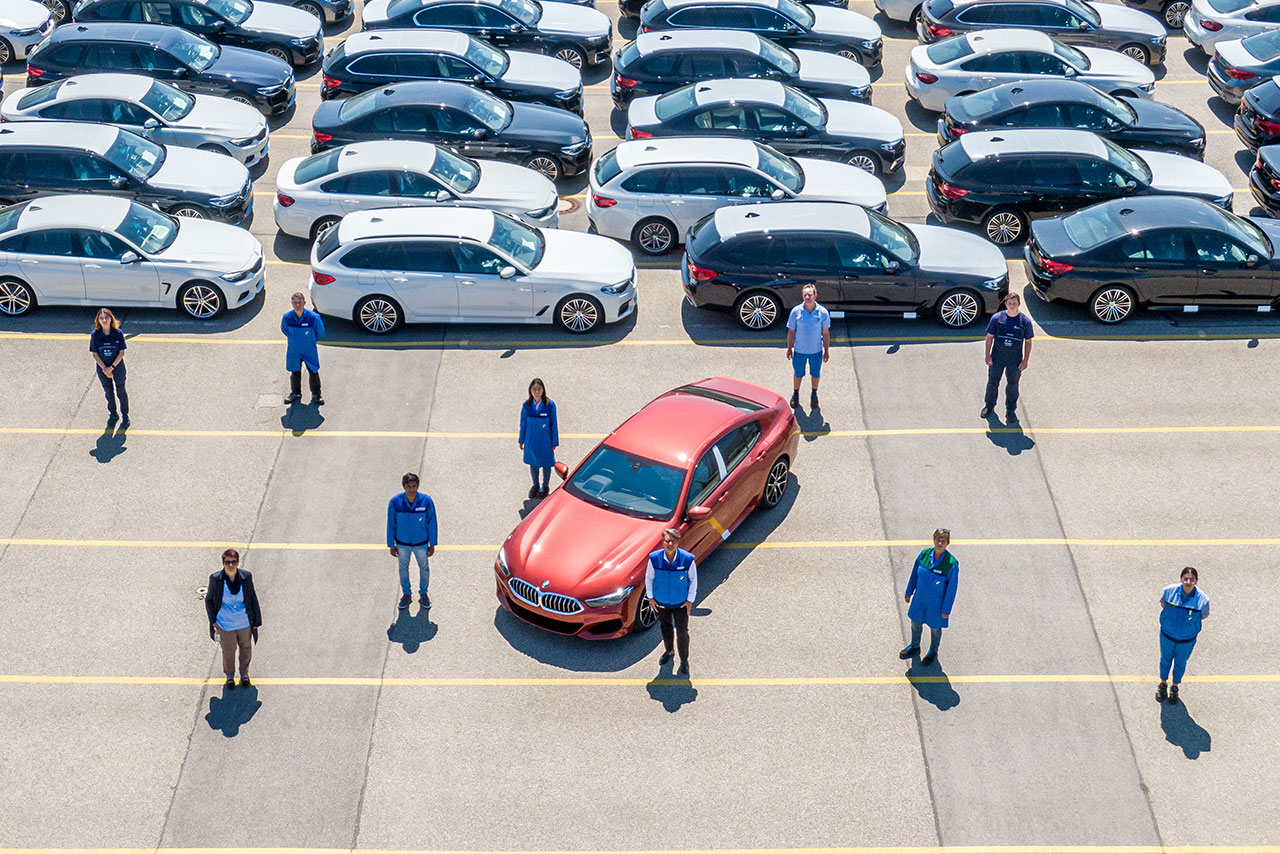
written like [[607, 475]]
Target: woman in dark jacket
[[232, 605]]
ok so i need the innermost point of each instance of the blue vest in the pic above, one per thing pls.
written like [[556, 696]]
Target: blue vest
[[671, 577], [1181, 616]]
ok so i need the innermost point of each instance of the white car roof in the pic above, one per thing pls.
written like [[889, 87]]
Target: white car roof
[[86, 135], [675, 4], [384, 154], [687, 149], [720, 91], [473, 223], [74, 211], [663, 40], [793, 216], [995, 41], [1040, 2], [1038, 140], [449, 41], [130, 87]]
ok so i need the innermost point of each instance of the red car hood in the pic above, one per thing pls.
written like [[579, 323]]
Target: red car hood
[[582, 549]]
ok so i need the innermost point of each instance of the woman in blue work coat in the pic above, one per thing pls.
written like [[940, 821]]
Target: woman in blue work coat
[[303, 328], [1183, 609], [931, 590], [539, 436]]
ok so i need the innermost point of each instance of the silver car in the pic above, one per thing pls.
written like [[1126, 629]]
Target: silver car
[[388, 266], [900, 10], [23, 25], [1207, 24], [313, 193], [150, 108], [975, 61], [106, 250], [651, 192]]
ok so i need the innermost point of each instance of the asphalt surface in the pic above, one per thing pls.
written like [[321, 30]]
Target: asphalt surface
[[1142, 449]]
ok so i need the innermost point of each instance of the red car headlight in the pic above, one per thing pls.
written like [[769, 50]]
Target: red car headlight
[[501, 563], [609, 600]]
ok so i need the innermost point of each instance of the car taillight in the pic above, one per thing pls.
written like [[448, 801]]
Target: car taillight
[[321, 278], [330, 82], [284, 200], [1238, 74], [33, 72], [624, 82], [955, 131], [1057, 268], [640, 134], [1211, 26], [602, 201], [938, 32], [1267, 127], [1275, 182], [322, 137], [700, 274], [951, 192], [926, 78], [646, 29]]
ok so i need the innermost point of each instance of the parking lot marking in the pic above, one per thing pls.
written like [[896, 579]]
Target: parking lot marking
[[879, 849]]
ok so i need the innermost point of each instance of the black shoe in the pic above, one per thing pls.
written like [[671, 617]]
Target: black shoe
[[813, 400], [1011, 417], [230, 684], [908, 652], [317, 401], [929, 657], [986, 411], [1173, 695], [666, 658], [795, 399], [244, 682], [1162, 692], [405, 600], [112, 418], [542, 493], [425, 601], [292, 398], [684, 668], [125, 422], [533, 491]]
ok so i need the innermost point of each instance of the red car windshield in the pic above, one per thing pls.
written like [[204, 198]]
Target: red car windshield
[[628, 484]]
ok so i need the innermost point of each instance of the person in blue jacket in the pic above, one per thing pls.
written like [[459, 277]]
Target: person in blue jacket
[[1183, 609], [671, 585], [931, 590], [411, 531], [539, 436], [303, 328]]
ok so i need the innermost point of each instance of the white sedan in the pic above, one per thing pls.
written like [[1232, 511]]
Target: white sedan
[[23, 25], [105, 250], [1208, 23], [384, 267], [314, 192]]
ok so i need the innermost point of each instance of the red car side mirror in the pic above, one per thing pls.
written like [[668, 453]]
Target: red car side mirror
[[699, 513], [562, 470]]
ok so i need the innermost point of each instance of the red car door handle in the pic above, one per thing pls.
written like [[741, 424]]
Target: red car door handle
[[760, 456]]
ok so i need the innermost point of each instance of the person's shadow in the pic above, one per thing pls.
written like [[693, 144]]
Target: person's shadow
[[671, 691], [412, 632], [299, 418], [1182, 731], [933, 686], [232, 710], [1008, 436], [110, 444], [812, 424]]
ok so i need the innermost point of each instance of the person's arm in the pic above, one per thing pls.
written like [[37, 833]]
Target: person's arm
[[210, 606], [319, 325], [120, 352], [555, 427], [791, 340], [252, 609], [648, 581], [949, 598], [826, 342], [1026, 354], [991, 339], [93, 350], [431, 527], [1204, 613], [284, 327], [391, 528], [911, 583], [693, 585]]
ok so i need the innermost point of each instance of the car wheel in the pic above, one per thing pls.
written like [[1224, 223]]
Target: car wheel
[[864, 160], [1004, 227], [215, 149], [775, 485], [655, 236], [646, 616], [546, 164], [579, 314], [958, 308], [915, 17], [322, 226], [280, 54], [6, 52], [850, 54], [571, 54], [1175, 12], [1138, 52], [201, 300], [57, 9], [243, 99], [758, 311], [16, 298], [311, 9], [188, 211], [1112, 304], [378, 314]]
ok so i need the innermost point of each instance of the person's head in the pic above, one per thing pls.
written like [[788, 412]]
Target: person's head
[[1189, 577], [537, 385], [298, 301], [105, 321], [230, 561], [1012, 304], [670, 538], [809, 293], [941, 538], [410, 482]]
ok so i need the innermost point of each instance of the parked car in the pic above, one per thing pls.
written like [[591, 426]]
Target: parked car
[[1171, 252], [59, 10], [787, 22], [1264, 179], [49, 158], [698, 459], [658, 62], [107, 250], [906, 11], [313, 193], [1238, 66], [580, 36], [23, 25], [651, 192], [1257, 121], [290, 35], [1208, 24], [1133, 33], [631, 8], [1170, 12], [190, 62], [774, 113], [755, 260], [474, 123], [149, 108], [376, 58], [975, 61], [384, 267], [325, 11], [1002, 179], [1130, 122]]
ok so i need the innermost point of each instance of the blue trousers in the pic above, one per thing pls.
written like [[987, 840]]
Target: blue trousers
[[424, 572], [1176, 653], [546, 475], [935, 636], [1014, 374]]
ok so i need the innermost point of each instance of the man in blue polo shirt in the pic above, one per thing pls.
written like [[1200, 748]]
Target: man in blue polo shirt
[[411, 532], [808, 343], [1008, 350]]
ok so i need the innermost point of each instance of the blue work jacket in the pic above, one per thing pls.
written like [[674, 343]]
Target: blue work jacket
[[303, 333], [539, 433], [932, 588]]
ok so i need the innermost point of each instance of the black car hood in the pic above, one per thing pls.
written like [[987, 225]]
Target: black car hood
[[1270, 155], [547, 124], [1154, 116], [251, 67]]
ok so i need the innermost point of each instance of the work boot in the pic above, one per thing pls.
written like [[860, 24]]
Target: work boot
[[1162, 692]]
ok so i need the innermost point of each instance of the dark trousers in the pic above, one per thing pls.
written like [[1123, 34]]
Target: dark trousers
[[295, 381], [1014, 374], [675, 627], [113, 386], [546, 475]]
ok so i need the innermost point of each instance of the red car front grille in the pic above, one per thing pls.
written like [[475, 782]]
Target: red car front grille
[[556, 603]]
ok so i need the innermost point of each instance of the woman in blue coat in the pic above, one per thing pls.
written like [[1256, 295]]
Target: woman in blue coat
[[539, 436], [1183, 609], [931, 590], [302, 327]]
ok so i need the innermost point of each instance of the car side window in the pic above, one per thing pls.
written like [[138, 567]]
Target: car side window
[[1009, 62], [487, 17], [13, 244], [91, 173], [406, 183], [662, 64], [724, 117], [696, 17], [769, 21], [646, 181], [96, 244], [801, 252], [52, 242], [1215, 248], [1044, 63], [989, 173], [195, 17], [770, 120], [1167, 245], [455, 122], [88, 110], [1096, 173], [453, 68], [1266, 14], [149, 58], [447, 16], [477, 260], [1085, 117], [1043, 116], [161, 13], [412, 119], [375, 256], [71, 55], [375, 65], [109, 56], [124, 112], [748, 65], [743, 182], [373, 183], [982, 13], [1057, 17], [705, 66], [859, 255], [429, 256], [697, 181], [706, 477], [734, 447], [52, 170]]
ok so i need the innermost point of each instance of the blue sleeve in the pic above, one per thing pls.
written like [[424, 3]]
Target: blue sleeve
[[431, 522], [319, 325], [93, 341], [1028, 331], [120, 340], [391, 523], [826, 319], [1204, 612], [555, 427], [284, 327], [992, 326], [953, 581], [911, 580], [524, 423], [791, 319]]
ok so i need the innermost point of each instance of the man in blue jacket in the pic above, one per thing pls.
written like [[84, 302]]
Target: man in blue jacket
[[671, 584], [411, 530], [303, 328]]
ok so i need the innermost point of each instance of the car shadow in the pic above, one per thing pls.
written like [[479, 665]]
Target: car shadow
[[1222, 111], [756, 528], [892, 28], [627, 28], [920, 118], [1196, 58], [505, 339], [77, 320], [279, 120], [1245, 160]]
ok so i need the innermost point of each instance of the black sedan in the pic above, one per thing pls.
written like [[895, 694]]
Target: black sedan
[[290, 35], [173, 55], [1130, 122], [1257, 120], [1264, 179], [1169, 252], [465, 119], [778, 115]]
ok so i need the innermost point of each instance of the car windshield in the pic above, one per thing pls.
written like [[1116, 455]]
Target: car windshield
[[487, 58], [522, 244], [493, 112], [607, 167], [359, 106], [168, 102], [235, 11], [797, 12], [1085, 11], [1244, 231], [1264, 46], [1127, 162], [779, 57], [1071, 55], [1117, 109], [194, 52], [949, 50], [780, 168], [629, 54], [525, 11], [979, 105], [675, 103], [148, 229], [39, 95], [805, 108], [627, 483], [1230, 5], [460, 173], [135, 156], [317, 166], [894, 237], [9, 216], [1093, 226]]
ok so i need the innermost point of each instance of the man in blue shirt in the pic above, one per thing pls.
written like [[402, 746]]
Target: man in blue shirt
[[808, 343], [1008, 350], [411, 531], [671, 585]]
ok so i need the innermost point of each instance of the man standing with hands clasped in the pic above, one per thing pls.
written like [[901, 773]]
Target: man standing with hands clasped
[[1008, 350], [303, 328], [808, 343], [671, 583], [411, 532]]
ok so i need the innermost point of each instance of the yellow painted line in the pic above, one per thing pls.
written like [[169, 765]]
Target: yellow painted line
[[290, 136], [879, 849]]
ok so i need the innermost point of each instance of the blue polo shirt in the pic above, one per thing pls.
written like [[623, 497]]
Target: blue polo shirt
[[808, 326]]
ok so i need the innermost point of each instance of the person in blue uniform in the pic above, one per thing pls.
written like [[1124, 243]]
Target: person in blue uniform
[[671, 583], [411, 532], [1009, 336], [931, 591], [1183, 609], [539, 436], [303, 328], [107, 345]]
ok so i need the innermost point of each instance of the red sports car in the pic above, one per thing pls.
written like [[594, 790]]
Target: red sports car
[[699, 458]]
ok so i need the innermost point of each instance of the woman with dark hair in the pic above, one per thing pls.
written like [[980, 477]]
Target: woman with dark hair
[[539, 436], [106, 343], [1183, 608], [232, 606]]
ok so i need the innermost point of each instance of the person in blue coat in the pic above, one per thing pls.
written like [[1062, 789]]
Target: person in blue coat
[[303, 328], [931, 590], [1183, 609], [539, 436], [411, 532]]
